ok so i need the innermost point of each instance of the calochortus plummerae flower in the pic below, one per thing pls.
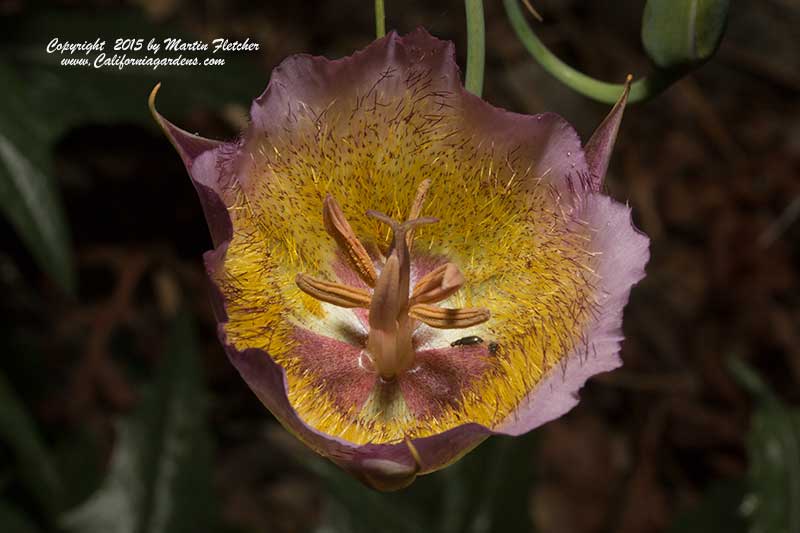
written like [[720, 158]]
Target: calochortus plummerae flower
[[401, 269]]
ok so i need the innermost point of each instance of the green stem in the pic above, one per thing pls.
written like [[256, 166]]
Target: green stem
[[476, 46], [642, 89], [380, 19]]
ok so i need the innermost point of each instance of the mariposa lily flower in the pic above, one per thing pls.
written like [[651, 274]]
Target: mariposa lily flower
[[402, 270]]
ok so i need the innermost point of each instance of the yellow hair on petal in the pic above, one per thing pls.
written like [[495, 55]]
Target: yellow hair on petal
[[523, 257]]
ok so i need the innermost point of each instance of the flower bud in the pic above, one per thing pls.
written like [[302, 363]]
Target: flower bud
[[680, 34]]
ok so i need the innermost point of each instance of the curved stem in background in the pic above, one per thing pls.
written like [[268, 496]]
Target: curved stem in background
[[380, 19], [642, 89], [476, 46]]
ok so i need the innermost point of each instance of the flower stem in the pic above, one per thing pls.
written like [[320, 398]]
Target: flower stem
[[476, 46], [380, 19], [642, 89]]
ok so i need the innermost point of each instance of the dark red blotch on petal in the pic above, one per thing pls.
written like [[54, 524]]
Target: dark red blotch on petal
[[440, 376]]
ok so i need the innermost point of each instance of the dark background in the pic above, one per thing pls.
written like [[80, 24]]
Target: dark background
[[671, 441]]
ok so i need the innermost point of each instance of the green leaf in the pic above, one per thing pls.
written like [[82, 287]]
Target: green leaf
[[34, 465], [716, 512], [680, 34], [772, 504], [27, 195], [159, 480]]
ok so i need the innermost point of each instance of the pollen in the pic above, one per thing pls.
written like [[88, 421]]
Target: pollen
[[507, 260]]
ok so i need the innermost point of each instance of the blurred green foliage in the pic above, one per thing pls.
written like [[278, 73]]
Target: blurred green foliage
[[13, 519], [33, 466], [717, 511], [486, 491], [43, 100], [28, 194], [772, 504], [159, 480], [767, 500]]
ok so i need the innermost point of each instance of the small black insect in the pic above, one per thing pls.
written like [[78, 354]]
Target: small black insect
[[467, 341], [493, 346]]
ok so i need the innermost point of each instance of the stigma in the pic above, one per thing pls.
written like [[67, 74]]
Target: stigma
[[396, 309]]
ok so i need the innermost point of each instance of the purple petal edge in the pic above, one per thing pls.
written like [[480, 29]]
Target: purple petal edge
[[381, 466], [392, 466], [305, 80], [384, 467], [200, 157], [625, 254], [601, 144]]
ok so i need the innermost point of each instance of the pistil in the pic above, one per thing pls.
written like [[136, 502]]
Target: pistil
[[394, 309], [390, 326]]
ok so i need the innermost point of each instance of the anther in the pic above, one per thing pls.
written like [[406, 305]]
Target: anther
[[394, 309]]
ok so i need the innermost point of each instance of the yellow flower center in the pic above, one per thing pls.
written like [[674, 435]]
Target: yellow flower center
[[394, 313], [520, 248]]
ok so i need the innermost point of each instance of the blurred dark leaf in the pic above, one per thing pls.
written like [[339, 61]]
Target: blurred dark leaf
[[772, 504], [159, 480], [505, 486], [27, 195], [486, 491], [43, 99], [12, 520], [34, 464], [358, 508], [717, 511], [72, 95], [77, 456]]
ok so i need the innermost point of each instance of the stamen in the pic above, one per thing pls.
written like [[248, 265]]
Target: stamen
[[333, 293], [414, 453], [438, 284], [419, 199], [416, 208], [338, 228], [442, 318], [393, 313]]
